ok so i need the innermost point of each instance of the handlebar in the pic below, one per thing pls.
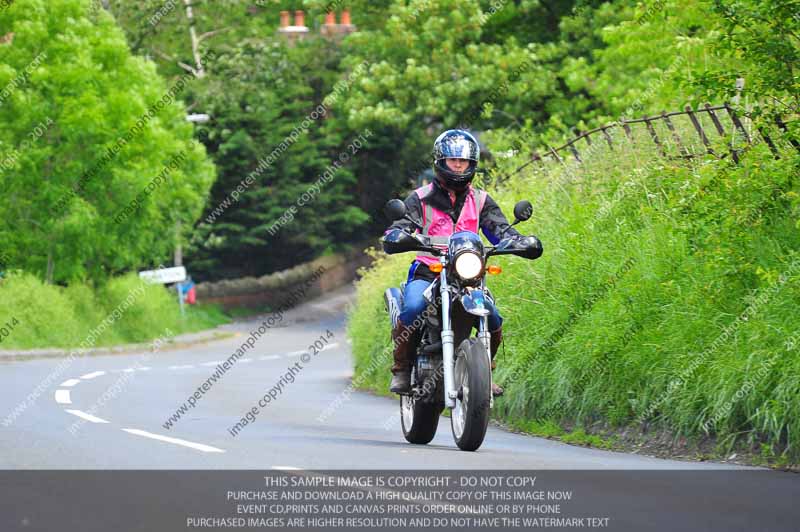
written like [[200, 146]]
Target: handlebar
[[524, 246]]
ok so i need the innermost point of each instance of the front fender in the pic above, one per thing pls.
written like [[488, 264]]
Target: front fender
[[473, 302]]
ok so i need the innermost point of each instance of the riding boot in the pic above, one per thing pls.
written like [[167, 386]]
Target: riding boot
[[401, 369], [496, 337]]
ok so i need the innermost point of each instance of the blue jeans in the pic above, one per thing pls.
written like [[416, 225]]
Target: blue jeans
[[414, 303]]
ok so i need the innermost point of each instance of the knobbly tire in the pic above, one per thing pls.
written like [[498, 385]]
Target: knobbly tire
[[470, 417], [419, 419]]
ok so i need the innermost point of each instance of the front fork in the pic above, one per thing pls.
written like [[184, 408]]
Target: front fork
[[448, 342], [483, 328], [486, 339]]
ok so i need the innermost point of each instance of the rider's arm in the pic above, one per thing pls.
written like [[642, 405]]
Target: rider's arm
[[494, 222]]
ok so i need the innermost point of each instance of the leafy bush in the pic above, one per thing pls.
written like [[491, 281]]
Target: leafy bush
[[54, 316]]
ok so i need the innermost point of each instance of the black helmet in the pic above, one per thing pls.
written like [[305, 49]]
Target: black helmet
[[456, 144]]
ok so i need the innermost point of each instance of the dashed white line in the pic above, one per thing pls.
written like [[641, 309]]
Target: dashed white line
[[176, 441], [269, 357], [212, 363], [62, 397], [92, 375], [186, 366], [245, 360], [330, 346], [87, 417], [143, 368], [128, 370], [295, 353], [285, 468], [70, 382]]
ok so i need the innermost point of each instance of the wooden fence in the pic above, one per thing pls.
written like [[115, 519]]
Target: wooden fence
[[720, 116]]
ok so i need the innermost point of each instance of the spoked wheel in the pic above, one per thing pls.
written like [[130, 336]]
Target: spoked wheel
[[470, 417], [419, 418]]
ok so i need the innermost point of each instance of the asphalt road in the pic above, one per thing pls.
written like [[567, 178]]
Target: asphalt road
[[129, 398], [109, 413]]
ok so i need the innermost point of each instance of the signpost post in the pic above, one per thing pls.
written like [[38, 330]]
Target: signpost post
[[166, 276]]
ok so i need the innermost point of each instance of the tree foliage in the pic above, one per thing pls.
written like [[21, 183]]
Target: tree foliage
[[109, 126], [280, 134], [524, 74]]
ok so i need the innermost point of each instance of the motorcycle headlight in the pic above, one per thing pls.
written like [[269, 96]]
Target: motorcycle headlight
[[468, 265]]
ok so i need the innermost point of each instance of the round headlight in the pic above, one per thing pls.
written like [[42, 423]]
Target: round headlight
[[468, 265]]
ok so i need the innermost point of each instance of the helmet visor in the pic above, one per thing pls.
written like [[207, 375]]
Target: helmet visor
[[457, 147]]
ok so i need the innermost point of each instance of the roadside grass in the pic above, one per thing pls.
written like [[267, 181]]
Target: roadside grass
[[666, 299], [63, 317]]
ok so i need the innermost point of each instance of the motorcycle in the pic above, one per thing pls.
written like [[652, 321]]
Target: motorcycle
[[444, 346]]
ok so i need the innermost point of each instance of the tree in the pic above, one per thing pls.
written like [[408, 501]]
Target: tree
[[101, 164], [162, 29], [273, 141], [760, 41]]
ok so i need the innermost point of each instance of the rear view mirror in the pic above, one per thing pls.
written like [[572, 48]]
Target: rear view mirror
[[523, 210], [395, 209]]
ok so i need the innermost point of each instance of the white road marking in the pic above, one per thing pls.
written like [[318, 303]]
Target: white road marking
[[270, 357], [92, 375], [295, 353], [128, 370], [285, 468], [144, 368], [245, 360], [212, 363], [176, 441], [187, 366], [87, 417], [62, 397], [70, 382], [331, 346]]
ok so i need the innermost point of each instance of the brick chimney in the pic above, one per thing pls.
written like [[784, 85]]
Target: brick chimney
[[331, 29], [346, 27], [295, 32]]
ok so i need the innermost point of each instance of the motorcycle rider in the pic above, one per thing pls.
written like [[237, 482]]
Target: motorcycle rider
[[449, 204]]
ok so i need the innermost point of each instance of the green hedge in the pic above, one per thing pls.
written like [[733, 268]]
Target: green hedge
[[623, 320], [43, 315]]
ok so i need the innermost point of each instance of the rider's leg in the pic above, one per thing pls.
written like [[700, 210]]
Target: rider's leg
[[413, 305], [496, 338]]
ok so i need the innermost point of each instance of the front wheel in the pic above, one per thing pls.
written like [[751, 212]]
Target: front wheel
[[470, 417]]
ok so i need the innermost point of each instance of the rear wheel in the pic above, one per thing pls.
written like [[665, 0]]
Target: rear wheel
[[419, 418], [470, 417]]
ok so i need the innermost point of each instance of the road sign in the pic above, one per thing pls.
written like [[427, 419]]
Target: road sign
[[164, 275], [198, 118]]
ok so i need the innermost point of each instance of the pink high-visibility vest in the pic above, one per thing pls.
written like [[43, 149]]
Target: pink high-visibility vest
[[439, 223]]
